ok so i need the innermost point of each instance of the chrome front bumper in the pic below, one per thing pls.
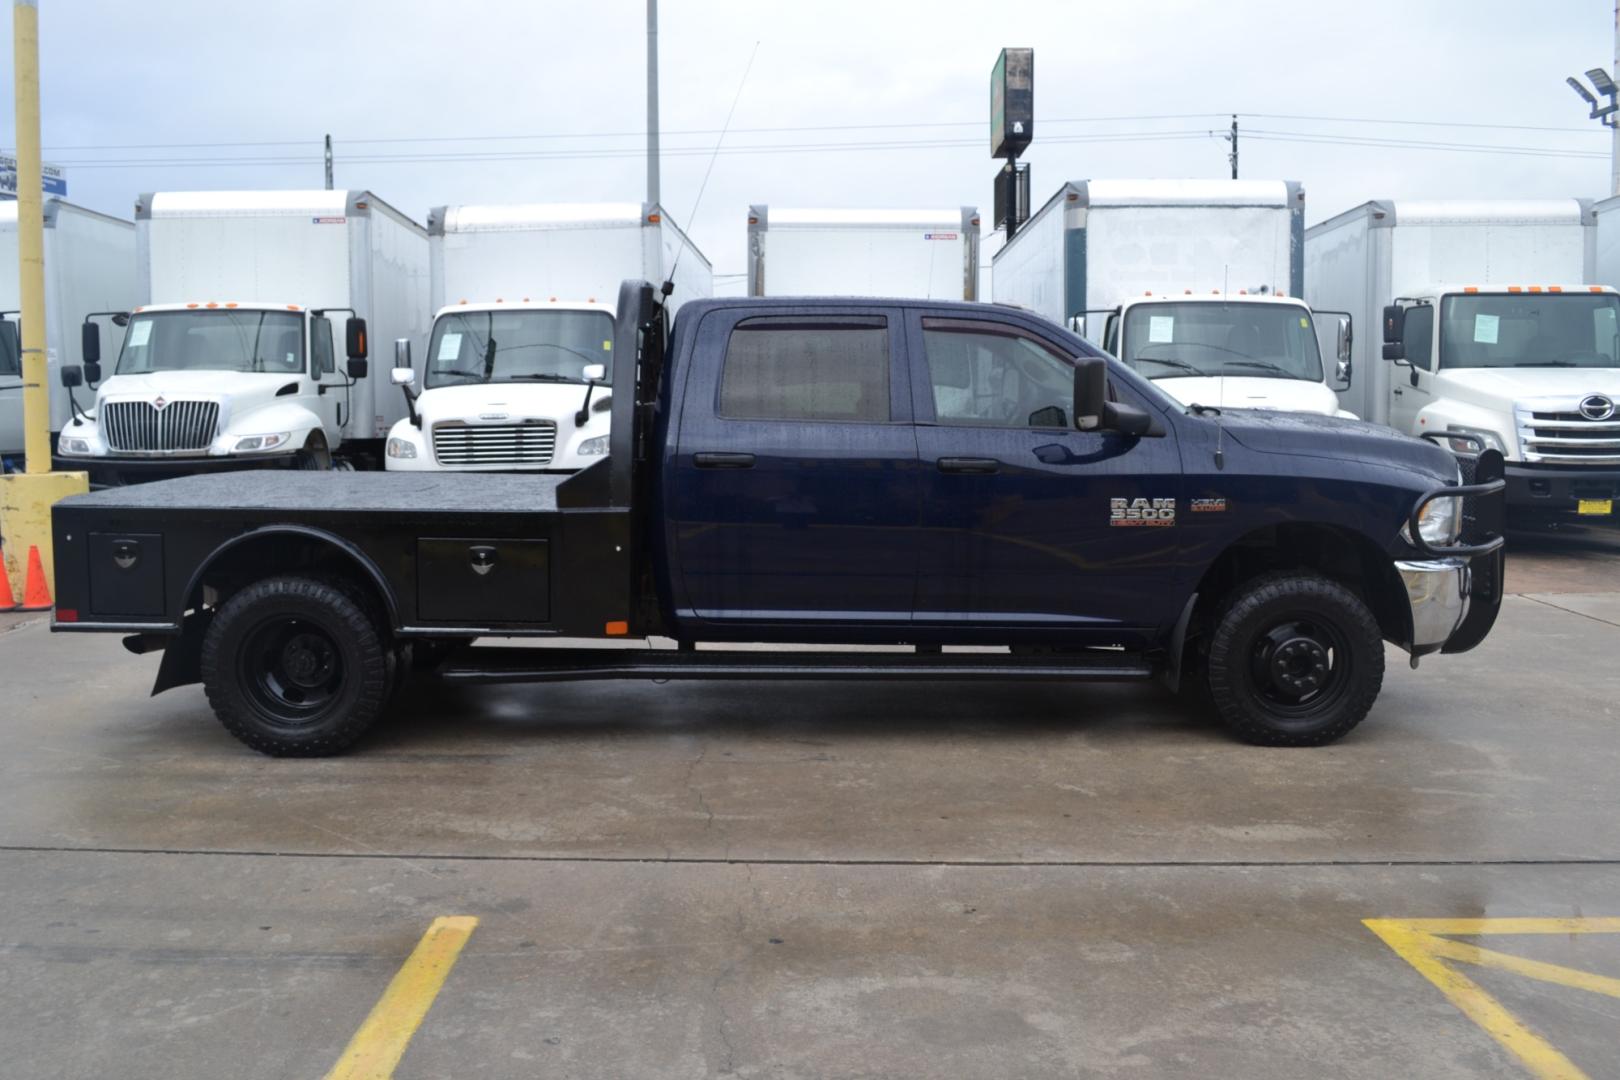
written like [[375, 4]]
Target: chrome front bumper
[[1438, 591]]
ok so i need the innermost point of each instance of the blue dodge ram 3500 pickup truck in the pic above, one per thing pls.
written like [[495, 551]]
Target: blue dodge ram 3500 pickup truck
[[830, 471]]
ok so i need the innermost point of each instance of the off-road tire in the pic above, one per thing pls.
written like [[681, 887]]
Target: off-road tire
[[1271, 622], [255, 699]]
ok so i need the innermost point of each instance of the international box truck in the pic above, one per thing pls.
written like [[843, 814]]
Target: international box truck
[[517, 366], [1195, 283], [89, 266], [230, 361], [1493, 330], [773, 483], [916, 254]]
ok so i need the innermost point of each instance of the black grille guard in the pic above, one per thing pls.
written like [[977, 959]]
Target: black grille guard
[[1483, 498]]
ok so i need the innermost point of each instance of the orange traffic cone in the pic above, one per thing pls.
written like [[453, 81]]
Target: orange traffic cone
[[8, 599], [36, 594]]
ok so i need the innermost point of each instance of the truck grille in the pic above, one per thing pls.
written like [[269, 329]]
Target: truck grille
[[1568, 438], [141, 427], [495, 445]]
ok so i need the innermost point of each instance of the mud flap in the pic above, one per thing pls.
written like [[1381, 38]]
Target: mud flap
[[1482, 521], [182, 660]]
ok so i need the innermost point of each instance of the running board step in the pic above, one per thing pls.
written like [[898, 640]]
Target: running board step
[[485, 663]]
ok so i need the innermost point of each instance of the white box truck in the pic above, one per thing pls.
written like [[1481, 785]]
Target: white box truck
[[230, 359], [1195, 283], [1606, 243], [516, 372], [926, 254], [1492, 330], [89, 266]]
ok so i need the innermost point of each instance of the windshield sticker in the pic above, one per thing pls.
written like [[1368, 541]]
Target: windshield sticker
[[140, 333], [450, 347], [1304, 323], [1485, 328], [1140, 512], [1161, 329], [607, 346]]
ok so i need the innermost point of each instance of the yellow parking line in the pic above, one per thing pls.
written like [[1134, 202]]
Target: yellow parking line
[[381, 1041]]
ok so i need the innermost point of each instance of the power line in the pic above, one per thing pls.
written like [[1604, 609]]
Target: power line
[[1417, 144]]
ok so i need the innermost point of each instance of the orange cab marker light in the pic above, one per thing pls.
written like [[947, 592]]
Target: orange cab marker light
[[617, 628], [1589, 288], [292, 307], [230, 303], [1555, 288], [1515, 288], [191, 305], [211, 304], [1470, 288], [1535, 288]]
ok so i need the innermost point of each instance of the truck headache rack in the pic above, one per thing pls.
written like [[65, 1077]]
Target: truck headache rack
[[497, 663]]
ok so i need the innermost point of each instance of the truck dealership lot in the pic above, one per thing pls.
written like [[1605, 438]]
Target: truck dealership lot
[[821, 879]]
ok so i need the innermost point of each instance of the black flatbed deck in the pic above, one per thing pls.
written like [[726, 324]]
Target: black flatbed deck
[[348, 492]]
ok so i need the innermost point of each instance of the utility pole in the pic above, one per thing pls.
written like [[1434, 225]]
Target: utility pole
[[1232, 138], [329, 163], [652, 102], [26, 498]]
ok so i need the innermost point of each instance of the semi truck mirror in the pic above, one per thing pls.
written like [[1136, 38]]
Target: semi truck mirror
[[10, 350], [594, 372], [354, 338], [1077, 325], [1090, 392], [1393, 350], [402, 376], [1343, 341], [1394, 325], [1341, 375], [358, 367], [92, 372], [90, 342], [72, 376], [402, 357]]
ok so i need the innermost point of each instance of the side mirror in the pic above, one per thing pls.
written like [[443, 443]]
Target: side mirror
[[358, 367], [90, 342], [92, 373], [402, 355], [72, 376], [10, 349], [1394, 328], [1343, 343], [402, 376], [1394, 350], [1077, 325], [354, 338], [594, 372], [1090, 392]]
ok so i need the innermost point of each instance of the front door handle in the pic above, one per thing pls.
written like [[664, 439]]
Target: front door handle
[[723, 461], [1396, 391], [979, 465]]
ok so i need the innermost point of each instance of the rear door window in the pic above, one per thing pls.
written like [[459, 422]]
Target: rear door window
[[832, 368]]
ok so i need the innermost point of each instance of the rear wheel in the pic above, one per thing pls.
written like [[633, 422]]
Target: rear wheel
[[1294, 660], [296, 667]]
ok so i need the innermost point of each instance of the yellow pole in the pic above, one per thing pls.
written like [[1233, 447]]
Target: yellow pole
[[26, 498], [31, 238]]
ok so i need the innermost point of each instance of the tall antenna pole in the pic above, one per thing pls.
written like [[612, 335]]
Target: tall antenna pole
[[652, 102], [329, 163], [1233, 139]]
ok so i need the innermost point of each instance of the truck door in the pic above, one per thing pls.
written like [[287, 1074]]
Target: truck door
[[794, 477], [11, 414], [331, 405], [1411, 385], [1018, 508]]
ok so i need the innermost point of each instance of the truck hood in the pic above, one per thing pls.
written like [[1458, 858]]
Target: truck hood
[[502, 402], [1501, 388], [1335, 438], [1251, 392], [196, 384]]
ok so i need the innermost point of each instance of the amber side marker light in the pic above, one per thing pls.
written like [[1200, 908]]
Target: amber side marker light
[[617, 628]]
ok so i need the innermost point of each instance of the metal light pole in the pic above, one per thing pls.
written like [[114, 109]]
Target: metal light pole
[[652, 101], [1605, 113]]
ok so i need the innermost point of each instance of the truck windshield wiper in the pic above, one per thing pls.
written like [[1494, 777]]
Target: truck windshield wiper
[[476, 376], [542, 376], [1265, 365], [1179, 365], [1546, 363]]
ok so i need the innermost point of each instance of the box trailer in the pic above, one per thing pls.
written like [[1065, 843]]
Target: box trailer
[[1496, 329], [515, 375], [1195, 283], [921, 254], [239, 295], [89, 266], [1606, 243]]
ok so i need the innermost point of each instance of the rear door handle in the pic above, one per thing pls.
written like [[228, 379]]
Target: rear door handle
[[968, 465], [1396, 391], [723, 461]]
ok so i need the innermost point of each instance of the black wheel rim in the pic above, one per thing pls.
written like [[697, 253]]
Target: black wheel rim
[[1301, 665], [292, 669]]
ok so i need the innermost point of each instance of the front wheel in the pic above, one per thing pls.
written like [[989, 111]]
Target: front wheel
[[1294, 660], [295, 667]]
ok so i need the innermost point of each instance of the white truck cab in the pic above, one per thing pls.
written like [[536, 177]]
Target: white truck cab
[[1532, 371], [508, 386], [213, 385], [1241, 351]]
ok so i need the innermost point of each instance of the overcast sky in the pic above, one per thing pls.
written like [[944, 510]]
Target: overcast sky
[[570, 75]]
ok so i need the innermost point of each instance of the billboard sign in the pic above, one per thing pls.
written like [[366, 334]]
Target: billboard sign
[[1012, 102], [55, 181]]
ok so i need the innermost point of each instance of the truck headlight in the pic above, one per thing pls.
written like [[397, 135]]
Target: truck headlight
[[401, 448], [1492, 440], [1439, 522], [260, 442], [68, 445], [593, 447]]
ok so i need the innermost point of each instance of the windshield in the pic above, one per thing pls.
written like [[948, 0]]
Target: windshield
[[514, 346], [1519, 330], [213, 341], [1171, 340]]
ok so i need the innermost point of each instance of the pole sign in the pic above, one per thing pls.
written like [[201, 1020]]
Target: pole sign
[[1012, 102], [54, 180]]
